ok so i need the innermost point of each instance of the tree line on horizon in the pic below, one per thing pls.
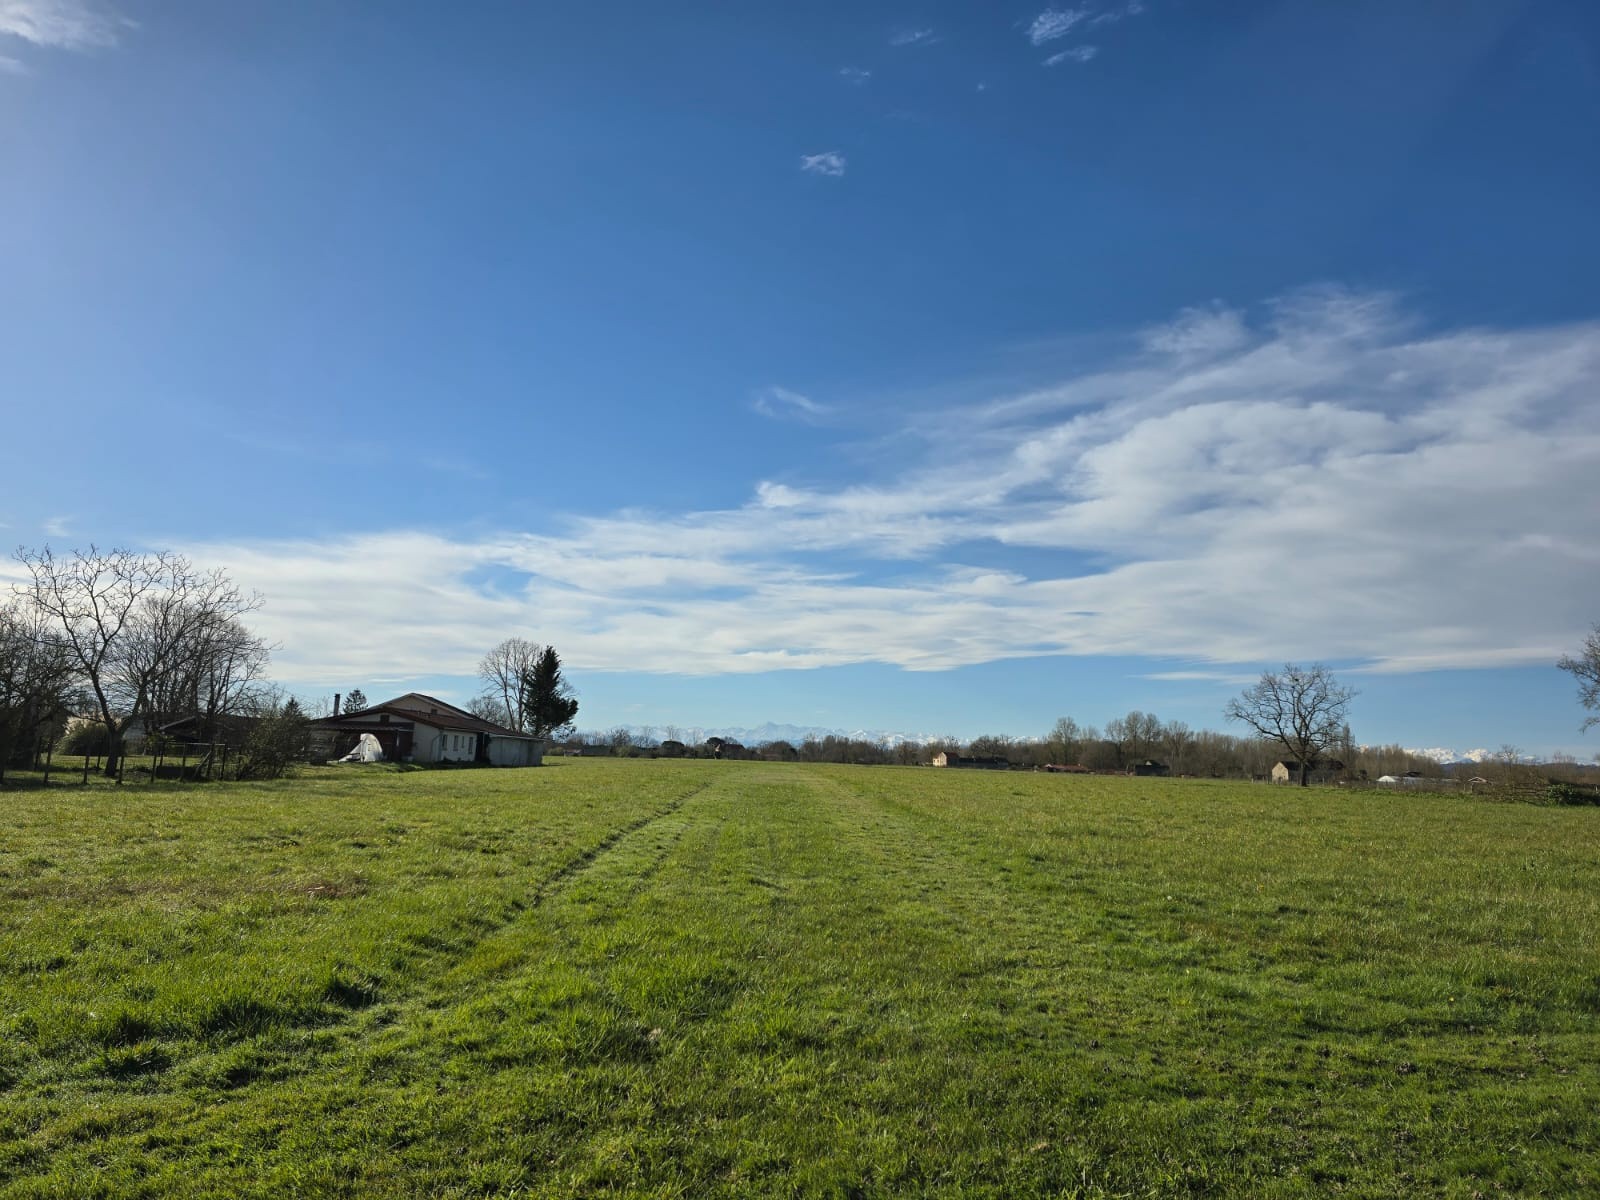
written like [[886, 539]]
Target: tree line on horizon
[[1202, 753], [145, 639]]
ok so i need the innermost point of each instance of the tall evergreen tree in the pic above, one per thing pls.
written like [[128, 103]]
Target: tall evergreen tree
[[548, 702]]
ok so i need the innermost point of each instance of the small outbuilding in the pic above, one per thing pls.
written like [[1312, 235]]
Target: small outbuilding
[[1317, 771]]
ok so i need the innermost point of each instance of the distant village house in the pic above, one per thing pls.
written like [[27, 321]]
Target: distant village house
[[1319, 771], [981, 762]]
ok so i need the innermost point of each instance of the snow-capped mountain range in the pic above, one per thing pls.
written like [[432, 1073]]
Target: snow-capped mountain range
[[1443, 755], [774, 732]]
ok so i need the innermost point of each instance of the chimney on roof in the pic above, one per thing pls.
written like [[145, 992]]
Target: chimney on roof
[[336, 704]]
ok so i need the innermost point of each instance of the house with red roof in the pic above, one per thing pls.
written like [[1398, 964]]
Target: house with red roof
[[419, 728]]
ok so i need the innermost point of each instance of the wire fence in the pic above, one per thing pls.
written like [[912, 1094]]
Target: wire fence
[[182, 763]]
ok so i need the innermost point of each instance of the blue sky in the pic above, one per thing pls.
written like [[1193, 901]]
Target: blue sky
[[920, 367]]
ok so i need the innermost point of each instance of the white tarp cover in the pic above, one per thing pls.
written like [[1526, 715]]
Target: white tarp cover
[[367, 750]]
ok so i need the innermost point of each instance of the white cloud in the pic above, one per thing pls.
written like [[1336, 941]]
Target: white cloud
[[1055, 22], [60, 24], [1078, 54], [1131, 9], [56, 527], [829, 162], [913, 37], [1321, 483], [783, 404], [1232, 678], [11, 66], [1199, 332], [857, 75]]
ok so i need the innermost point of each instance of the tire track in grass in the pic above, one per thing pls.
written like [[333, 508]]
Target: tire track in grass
[[845, 1013], [586, 860], [323, 1040], [519, 1006]]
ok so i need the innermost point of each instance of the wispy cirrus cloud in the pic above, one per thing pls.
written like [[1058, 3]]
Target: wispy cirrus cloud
[[1231, 678], [57, 527], [1130, 9], [829, 162], [783, 404], [1315, 481], [11, 66], [1053, 23], [61, 24], [913, 37], [855, 75], [1077, 54]]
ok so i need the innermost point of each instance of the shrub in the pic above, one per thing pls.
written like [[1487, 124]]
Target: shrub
[[278, 740], [1572, 793], [90, 737]]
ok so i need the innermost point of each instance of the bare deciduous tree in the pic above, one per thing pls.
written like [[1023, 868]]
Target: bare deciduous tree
[[1176, 740], [128, 620], [37, 682], [1586, 670], [490, 708], [1065, 741], [214, 672], [505, 671], [1302, 709]]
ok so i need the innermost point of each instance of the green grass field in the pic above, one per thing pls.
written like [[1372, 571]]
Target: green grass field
[[655, 978]]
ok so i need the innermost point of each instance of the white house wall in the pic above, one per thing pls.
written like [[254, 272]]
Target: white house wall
[[430, 745]]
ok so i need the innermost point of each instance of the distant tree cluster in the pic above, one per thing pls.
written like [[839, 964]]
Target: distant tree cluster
[[138, 640]]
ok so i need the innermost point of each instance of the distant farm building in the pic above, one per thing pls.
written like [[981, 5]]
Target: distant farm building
[[1149, 768], [718, 747], [424, 729], [1409, 779], [1318, 771], [979, 762]]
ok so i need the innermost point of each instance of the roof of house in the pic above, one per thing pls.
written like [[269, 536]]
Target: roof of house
[[440, 715], [231, 722]]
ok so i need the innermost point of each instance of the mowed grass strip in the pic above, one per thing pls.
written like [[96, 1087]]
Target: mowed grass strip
[[736, 979], [159, 943]]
